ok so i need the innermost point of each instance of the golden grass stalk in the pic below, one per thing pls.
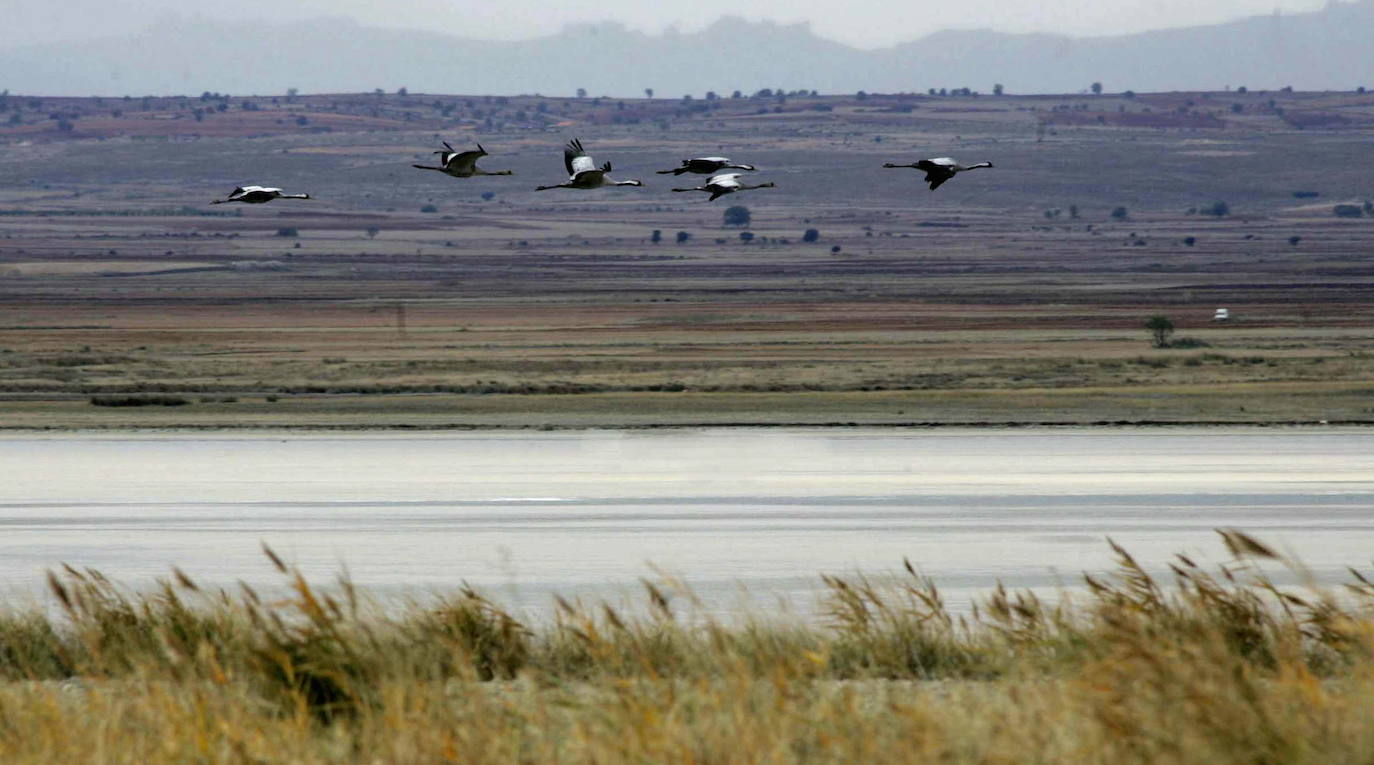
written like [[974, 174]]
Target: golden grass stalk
[[1221, 666]]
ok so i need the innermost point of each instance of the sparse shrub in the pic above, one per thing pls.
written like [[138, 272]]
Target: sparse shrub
[[1161, 328], [737, 215], [811, 236], [1348, 211], [746, 236], [429, 209], [1218, 209], [683, 237], [138, 400], [288, 231], [1120, 213], [1189, 241], [656, 237], [1293, 240]]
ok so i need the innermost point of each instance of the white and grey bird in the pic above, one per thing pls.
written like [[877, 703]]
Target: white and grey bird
[[256, 195], [705, 166], [726, 183], [461, 164], [583, 172], [940, 169]]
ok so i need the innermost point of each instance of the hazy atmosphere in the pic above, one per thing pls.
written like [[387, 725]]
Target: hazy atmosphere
[[528, 47], [866, 23]]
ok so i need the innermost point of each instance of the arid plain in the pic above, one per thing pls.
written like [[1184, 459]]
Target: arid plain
[[403, 298]]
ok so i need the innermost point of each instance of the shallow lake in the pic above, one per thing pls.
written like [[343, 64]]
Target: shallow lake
[[526, 514]]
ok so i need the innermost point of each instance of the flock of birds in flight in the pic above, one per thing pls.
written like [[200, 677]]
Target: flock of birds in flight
[[583, 173]]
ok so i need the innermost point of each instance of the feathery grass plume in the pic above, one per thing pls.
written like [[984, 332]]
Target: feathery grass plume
[[272, 556], [1218, 665], [316, 656], [183, 580], [1242, 545], [897, 631], [473, 633]]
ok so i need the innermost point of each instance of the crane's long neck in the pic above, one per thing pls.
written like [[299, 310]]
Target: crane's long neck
[[980, 164], [767, 185], [480, 171], [694, 188], [293, 196], [893, 164], [558, 186], [628, 183]]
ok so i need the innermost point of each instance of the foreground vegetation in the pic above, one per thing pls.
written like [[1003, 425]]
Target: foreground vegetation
[[1212, 667]]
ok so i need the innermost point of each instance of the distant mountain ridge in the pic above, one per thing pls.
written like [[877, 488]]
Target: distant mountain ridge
[[1326, 49]]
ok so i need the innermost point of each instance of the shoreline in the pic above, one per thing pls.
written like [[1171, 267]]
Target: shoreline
[[736, 425]]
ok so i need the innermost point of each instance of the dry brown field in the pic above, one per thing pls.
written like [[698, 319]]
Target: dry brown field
[[403, 298]]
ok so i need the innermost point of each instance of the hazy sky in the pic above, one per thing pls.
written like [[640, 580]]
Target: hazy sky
[[863, 23]]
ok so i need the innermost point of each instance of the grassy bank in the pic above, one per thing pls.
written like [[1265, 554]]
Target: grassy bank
[[1213, 666], [1239, 404]]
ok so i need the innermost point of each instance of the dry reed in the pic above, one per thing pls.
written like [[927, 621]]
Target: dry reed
[[1219, 666]]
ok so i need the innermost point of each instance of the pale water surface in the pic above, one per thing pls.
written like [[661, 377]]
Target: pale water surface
[[524, 514]]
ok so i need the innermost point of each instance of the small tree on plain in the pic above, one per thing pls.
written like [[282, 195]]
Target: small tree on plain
[[746, 236], [1097, 88], [997, 89], [811, 236], [1160, 329], [656, 237], [1120, 213], [738, 215], [682, 237], [372, 232]]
